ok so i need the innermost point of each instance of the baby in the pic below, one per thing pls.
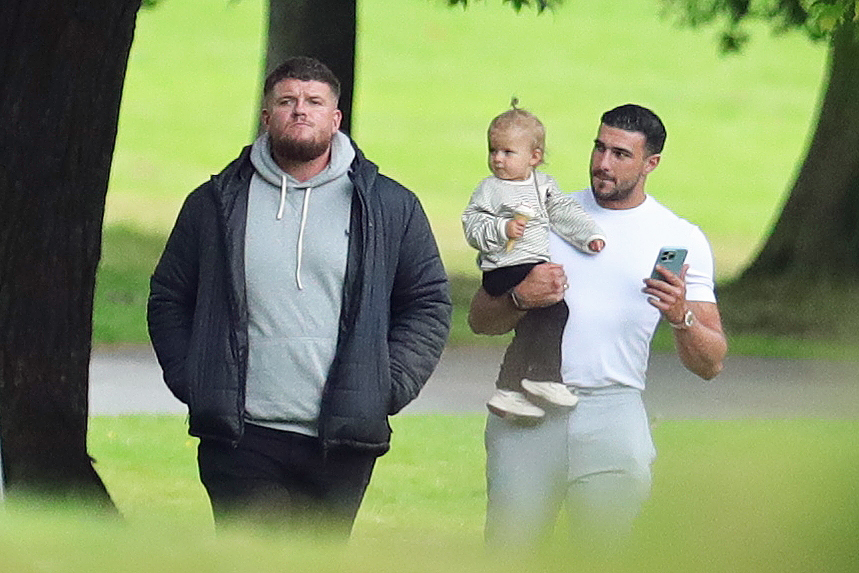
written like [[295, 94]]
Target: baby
[[508, 220]]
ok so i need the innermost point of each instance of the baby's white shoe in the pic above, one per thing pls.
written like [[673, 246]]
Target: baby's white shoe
[[552, 392], [506, 403]]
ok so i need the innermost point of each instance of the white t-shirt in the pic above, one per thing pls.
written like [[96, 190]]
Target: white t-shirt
[[607, 337]]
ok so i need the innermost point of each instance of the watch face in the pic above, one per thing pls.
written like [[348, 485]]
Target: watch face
[[689, 318]]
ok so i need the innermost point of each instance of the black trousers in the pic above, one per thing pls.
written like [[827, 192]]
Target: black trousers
[[284, 480], [535, 352]]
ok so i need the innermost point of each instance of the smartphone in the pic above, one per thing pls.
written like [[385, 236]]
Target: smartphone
[[671, 258]]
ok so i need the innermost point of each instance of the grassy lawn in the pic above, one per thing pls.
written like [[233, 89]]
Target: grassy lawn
[[429, 80], [740, 495], [743, 495], [123, 285]]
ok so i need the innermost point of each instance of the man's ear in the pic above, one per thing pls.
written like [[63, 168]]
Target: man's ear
[[265, 116], [652, 162]]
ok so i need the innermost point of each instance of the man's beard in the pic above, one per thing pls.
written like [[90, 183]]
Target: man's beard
[[298, 150], [620, 192]]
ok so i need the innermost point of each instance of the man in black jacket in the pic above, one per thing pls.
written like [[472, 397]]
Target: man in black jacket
[[299, 302]]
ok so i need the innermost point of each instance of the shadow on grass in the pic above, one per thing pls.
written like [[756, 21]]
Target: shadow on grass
[[128, 258], [770, 319], [778, 318]]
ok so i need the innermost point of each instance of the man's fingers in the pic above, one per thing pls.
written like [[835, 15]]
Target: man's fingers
[[666, 275], [560, 279], [554, 275], [669, 293], [672, 278]]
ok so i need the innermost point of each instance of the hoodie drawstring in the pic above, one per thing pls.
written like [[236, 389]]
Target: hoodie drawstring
[[300, 228], [282, 197], [301, 236]]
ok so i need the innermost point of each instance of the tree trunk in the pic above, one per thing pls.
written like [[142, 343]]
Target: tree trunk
[[816, 237], [63, 71], [322, 29]]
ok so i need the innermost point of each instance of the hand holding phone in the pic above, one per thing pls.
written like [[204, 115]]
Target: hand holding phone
[[672, 258]]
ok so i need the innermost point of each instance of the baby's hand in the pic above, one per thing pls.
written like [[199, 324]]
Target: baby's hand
[[516, 228], [596, 245]]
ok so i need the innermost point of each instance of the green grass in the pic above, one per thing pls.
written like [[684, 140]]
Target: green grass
[[128, 259], [429, 78], [738, 495], [755, 325]]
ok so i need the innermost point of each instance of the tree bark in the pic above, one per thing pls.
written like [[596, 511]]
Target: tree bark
[[322, 29], [63, 71], [816, 237]]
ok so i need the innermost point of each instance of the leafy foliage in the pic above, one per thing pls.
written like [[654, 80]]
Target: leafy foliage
[[817, 18], [541, 5]]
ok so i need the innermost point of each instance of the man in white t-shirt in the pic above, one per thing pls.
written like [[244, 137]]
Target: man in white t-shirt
[[596, 457]]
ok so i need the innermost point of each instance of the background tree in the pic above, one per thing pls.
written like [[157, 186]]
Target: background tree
[[63, 70], [326, 30], [807, 271], [322, 29]]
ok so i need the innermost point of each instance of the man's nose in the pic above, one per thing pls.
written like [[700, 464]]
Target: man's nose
[[604, 162], [299, 107]]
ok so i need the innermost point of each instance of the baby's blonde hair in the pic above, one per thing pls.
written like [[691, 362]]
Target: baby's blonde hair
[[519, 118]]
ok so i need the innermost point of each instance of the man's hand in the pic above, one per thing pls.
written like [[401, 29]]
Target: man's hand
[[668, 294], [543, 286], [702, 344]]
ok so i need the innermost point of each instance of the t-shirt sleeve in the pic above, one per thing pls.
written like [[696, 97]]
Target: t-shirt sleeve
[[700, 283]]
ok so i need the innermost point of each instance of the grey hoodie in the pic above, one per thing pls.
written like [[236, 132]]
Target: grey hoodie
[[296, 244]]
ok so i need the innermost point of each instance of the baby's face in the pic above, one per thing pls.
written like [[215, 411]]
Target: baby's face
[[511, 156]]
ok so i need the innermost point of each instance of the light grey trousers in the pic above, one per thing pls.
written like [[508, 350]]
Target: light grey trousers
[[594, 458]]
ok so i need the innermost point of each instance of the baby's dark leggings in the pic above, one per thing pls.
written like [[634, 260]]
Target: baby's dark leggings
[[535, 352]]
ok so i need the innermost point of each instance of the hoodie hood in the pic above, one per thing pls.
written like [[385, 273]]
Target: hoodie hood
[[342, 154]]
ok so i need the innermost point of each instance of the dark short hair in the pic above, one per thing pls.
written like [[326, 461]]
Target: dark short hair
[[305, 69], [631, 117]]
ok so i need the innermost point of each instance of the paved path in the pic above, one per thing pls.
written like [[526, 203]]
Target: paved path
[[129, 381]]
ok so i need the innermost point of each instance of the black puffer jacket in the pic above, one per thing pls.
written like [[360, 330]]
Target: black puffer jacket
[[393, 325]]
